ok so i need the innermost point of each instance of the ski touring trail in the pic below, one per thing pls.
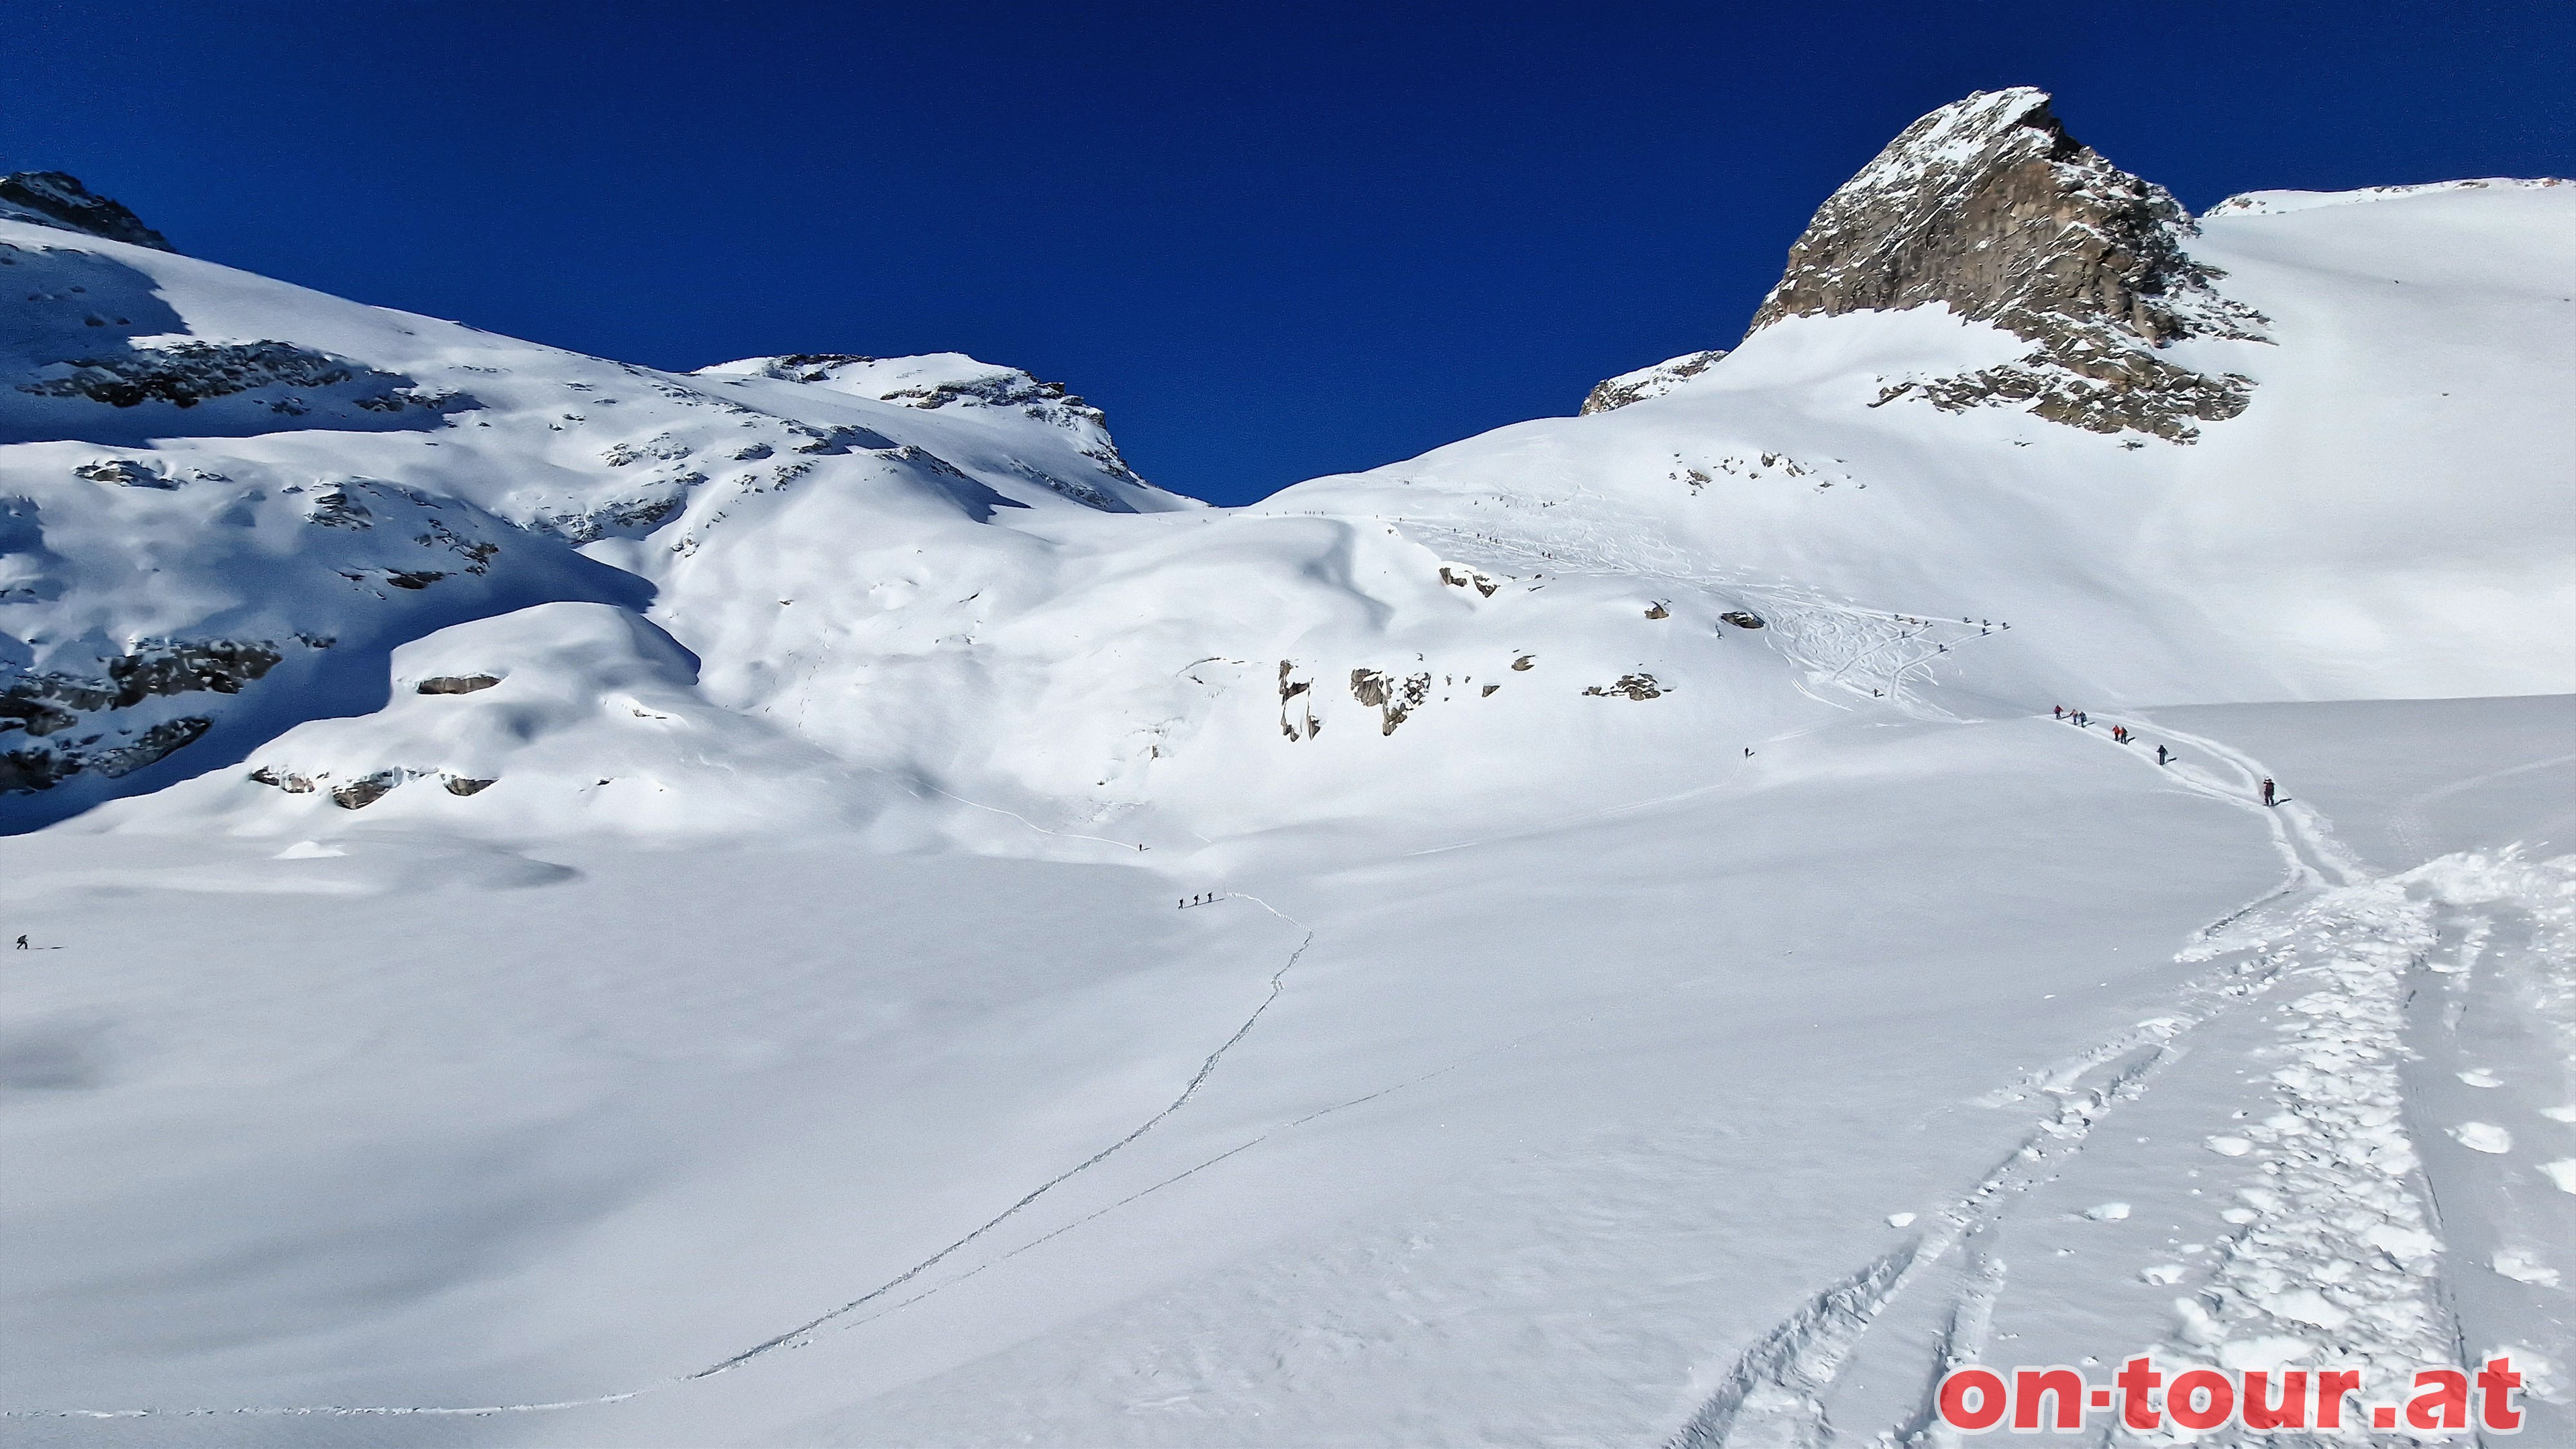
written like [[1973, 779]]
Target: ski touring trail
[[2333, 1248]]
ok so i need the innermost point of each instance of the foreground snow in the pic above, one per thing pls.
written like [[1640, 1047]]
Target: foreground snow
[[1586, 1132]]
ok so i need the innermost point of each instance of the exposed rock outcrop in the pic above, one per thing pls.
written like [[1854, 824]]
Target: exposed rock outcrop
[[1391, 698], [456, 683], [185, 374], [118, 761], [153, 668], [1460, 576], [1989, 208], [125, 473], [48, 707], [360, 793], [1631, 686], [1301, 725], [52, 198], [1646, 382]]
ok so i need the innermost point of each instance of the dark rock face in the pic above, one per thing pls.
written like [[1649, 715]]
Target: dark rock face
[[149, 746], [48, 707], [185, 374], [51, 198], [219, 665], [1989, 208]]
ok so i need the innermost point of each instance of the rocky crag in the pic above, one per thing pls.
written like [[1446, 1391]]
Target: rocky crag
[[52, 198], [1989, 208], [1646, 382]]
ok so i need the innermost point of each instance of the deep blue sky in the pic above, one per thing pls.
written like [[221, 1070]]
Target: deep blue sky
[[1274, 242]]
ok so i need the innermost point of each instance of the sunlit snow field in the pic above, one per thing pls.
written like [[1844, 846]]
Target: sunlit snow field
[[1537, 1136]]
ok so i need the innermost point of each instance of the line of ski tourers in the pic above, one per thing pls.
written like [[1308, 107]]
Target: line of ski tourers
[[2120, 735]]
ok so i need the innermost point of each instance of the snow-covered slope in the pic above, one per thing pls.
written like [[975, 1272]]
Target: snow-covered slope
[[941, 573], [624, 874], [223, 499]]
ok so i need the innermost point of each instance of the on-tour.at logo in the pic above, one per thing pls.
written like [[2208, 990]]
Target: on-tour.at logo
[[2058, 1398]]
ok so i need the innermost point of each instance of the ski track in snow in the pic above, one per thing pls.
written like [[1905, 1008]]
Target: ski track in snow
[[803, 1333], [2339, 1258]]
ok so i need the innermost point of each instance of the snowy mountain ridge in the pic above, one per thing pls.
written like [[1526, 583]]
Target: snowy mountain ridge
[[942, 573]]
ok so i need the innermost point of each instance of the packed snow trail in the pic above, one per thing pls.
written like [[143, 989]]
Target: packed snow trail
[[2346, 1186], [1278, 984]]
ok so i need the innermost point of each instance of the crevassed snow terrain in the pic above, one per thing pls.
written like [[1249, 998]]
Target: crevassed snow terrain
[[805, 903]]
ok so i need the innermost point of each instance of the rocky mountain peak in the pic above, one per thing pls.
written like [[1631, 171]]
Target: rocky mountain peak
[[56, 199], [1988, 207]]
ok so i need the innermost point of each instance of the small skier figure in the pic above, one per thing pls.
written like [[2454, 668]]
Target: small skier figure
[[22, 944], [2059, 709], [2267, 789], [2160, 754], [2120, 733]]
